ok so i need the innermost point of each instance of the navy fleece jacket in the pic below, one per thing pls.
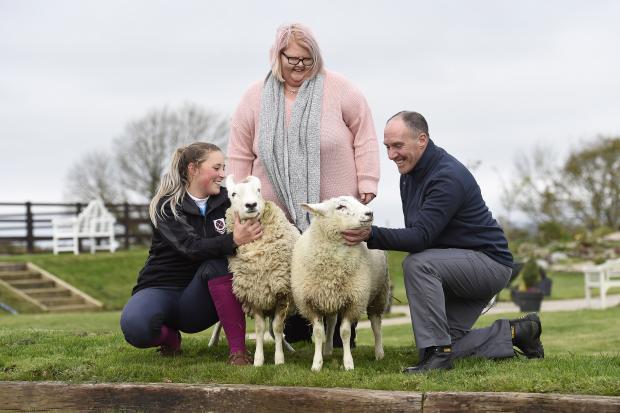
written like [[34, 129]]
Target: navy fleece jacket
[[443, 208]]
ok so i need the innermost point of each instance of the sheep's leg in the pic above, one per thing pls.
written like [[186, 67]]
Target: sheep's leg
[[328, 347], [278, 332], [318, 334], [345, 334], [375, 324], [259, 328]]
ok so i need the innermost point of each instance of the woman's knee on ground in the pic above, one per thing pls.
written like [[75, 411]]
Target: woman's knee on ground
[[140, 330]]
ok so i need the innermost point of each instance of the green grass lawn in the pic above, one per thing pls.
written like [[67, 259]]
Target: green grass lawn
[[581, 348]]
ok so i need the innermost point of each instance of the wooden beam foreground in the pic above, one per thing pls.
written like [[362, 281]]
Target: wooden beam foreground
[[65, 397]]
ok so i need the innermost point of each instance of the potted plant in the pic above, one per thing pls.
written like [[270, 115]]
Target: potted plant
[[528, 294]]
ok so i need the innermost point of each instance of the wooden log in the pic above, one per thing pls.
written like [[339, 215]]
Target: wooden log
[[54, 396], [447, 402]]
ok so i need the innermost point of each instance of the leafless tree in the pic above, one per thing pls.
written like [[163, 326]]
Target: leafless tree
[[533, 190], [144, 149], [93, 176]]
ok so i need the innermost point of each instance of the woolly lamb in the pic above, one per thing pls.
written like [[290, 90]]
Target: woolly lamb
[[329, 277], [262, 269]]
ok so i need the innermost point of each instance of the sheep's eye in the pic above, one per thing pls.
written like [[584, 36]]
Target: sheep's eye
[[341, 207], [234, 194], [258, 190]]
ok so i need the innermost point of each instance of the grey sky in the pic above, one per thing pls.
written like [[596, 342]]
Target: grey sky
[[493, 78]]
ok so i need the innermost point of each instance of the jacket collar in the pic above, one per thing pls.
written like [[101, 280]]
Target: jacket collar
[[429, 158], [190, 207]]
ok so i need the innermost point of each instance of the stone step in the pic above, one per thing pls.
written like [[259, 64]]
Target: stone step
[[47, 292], [61, 301], [31, 283], [19, 275], [12, 266], [72, 307]]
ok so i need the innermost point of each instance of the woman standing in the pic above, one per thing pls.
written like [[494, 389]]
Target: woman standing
[[306, 132], [185, 284]]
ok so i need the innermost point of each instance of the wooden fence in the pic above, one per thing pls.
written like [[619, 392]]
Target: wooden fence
[[27, 226]]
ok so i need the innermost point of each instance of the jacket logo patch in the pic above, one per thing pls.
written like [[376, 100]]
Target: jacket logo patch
[[220, 225]]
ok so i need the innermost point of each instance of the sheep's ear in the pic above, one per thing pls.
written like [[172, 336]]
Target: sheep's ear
[[315, 209], [230, 183], [254, 180]]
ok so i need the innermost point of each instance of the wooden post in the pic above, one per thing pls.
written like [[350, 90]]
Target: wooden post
[[29, 228], [78, 209], [126, 223]]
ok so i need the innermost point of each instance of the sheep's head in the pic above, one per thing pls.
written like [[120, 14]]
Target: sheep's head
[[345, 211], [245, 197]]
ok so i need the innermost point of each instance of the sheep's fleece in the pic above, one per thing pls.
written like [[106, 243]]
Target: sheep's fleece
[[261, 269], [330, 277]]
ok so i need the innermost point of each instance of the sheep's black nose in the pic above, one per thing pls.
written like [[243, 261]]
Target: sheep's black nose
[[369, 214], [251, 205]]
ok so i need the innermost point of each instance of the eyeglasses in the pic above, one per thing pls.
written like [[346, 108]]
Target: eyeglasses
[[306, 61]]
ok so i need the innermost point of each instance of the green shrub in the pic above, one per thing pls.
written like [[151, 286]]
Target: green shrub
[[530, 275]]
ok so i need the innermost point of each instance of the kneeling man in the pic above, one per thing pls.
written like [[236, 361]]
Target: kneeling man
[[459, 257]]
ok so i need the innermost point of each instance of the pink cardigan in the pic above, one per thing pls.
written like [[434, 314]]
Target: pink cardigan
[[349, 148]]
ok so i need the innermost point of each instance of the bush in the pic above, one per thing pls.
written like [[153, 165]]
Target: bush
[[530, 276]]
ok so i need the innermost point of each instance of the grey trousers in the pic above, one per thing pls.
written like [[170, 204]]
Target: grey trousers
[[447, 290]]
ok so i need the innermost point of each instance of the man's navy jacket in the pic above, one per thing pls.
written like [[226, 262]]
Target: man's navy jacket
[[443, 208]]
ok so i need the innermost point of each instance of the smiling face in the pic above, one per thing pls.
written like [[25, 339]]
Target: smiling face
[[206, 178], [294, 75], [403, 145]]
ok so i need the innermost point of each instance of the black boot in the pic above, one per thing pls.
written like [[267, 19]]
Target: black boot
[[526, 335], [435, 358]]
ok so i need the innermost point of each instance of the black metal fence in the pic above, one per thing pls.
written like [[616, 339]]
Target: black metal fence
[[27, 226]]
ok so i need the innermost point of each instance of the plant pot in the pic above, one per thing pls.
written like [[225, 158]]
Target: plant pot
[[527, 300]]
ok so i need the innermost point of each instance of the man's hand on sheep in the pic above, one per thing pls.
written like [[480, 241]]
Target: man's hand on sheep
[[245, 232], [355, 236]]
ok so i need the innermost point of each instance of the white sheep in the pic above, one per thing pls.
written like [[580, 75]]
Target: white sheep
[[262, 269], [329, 277]]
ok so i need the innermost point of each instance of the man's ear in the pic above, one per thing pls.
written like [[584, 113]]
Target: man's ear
[[315, 209], [423, 140]]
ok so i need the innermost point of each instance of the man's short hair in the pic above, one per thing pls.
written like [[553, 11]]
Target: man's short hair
[[414, 121]]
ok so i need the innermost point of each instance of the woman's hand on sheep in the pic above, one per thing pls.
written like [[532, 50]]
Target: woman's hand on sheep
[[245, 232], [355, 236], [367, 197]]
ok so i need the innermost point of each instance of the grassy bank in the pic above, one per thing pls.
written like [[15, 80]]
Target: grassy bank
[[110, 277]]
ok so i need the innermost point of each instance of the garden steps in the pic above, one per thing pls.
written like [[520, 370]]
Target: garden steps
[[44, 290]]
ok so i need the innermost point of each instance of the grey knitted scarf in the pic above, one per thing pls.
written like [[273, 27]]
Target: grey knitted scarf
[[291, 156]]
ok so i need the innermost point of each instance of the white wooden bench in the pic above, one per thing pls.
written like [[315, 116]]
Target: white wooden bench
[[603, 277], [93, 223]]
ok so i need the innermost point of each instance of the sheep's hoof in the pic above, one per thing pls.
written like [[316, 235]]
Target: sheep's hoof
[[328, 351], [316, 366], [379, 354], [279, 359], [348, 363], [258, 361]]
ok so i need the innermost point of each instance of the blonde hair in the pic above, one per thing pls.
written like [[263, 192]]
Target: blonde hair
[[175, 181], [301, 34]]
